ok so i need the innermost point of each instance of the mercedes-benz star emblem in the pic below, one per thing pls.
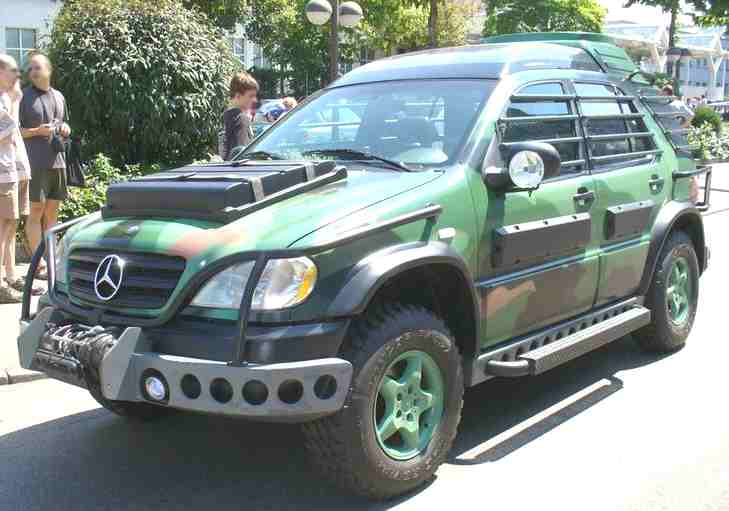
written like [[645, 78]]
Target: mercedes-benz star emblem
[[108, 277]]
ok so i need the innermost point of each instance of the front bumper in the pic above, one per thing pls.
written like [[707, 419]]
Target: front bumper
[[294, 391]]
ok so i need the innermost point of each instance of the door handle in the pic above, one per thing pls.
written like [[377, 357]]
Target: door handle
[[655, 182], [583, 196]]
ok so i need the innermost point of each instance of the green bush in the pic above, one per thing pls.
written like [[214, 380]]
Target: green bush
[[99, 173], [707, 115], [708, 144], [145, 80]]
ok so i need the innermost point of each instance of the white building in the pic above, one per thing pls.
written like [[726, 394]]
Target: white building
[[703, 72], [24, 24]]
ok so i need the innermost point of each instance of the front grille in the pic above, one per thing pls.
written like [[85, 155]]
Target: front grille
[[148, 280]]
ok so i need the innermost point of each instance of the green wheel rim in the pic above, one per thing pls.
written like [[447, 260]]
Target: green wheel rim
[[409, 405], [679, 291]]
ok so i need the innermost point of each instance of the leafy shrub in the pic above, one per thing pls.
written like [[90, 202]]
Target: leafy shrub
[[708, 143], [145, 80], [707, 115], [100, 173]]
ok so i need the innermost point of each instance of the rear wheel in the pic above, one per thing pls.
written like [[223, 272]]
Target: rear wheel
[[672, 296], [403, 409]]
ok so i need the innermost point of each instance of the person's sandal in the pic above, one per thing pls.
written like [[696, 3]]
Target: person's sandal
[[9, 295], [41, 274], [19, 285]]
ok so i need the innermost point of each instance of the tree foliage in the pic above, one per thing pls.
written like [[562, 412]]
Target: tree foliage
[[224, 13], [299, 50], [510, 16], [145, 80], [712, 12]]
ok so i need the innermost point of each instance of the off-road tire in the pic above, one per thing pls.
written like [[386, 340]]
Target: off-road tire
[[129, 410], [662, 335], [344, 446]]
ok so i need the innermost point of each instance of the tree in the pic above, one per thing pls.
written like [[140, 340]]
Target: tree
[[224, 13], [454, 26], [714, 12], [299, 51], [145, 80], [510, 16], [296, 48]]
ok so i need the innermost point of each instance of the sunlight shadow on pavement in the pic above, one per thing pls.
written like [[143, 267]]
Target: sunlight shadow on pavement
[[521, 434]]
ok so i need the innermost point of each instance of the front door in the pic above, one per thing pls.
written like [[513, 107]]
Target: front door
[[539, 250], [630, 184]]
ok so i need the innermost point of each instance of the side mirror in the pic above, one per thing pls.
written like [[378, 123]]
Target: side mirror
[[528, 164]]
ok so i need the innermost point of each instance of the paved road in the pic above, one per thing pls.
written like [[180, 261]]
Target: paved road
[[618, 430]]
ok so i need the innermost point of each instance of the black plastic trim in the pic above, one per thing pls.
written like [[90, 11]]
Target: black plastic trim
[[670, 214], [368, 277], [541, 239], [265, 343], [626, 220]]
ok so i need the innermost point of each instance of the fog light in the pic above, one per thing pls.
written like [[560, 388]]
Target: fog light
[[155, 388]]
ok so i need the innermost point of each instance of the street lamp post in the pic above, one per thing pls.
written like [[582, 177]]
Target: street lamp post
[[348, 14], [675, 56]]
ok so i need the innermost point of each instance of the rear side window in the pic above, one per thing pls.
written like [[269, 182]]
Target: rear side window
[[673, 116], [542, 112], [614, 129]]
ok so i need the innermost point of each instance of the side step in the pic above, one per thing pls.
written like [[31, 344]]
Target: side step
[[572, 346]]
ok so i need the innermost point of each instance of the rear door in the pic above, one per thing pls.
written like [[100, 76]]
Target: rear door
[[630, 184], [539, 259]]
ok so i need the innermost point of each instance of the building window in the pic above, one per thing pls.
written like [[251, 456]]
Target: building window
[[238, 45], [20, 41], [259, 59]]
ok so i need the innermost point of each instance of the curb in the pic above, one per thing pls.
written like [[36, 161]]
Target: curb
[[19, 375]]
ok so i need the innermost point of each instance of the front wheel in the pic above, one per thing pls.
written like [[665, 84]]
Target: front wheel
[[403, 408], [672, 297]]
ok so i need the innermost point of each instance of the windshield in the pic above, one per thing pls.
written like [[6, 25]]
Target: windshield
[[416, 124]]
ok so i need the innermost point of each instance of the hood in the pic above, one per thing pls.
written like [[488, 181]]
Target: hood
[[275, 227]]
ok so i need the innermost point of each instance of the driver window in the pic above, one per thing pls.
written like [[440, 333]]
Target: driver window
[[524, 130]]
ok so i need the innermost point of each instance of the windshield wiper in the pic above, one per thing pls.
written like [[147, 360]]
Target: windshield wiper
[[360, 156], [257, 155]]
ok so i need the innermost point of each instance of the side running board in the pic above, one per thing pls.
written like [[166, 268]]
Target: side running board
[[572, 346]]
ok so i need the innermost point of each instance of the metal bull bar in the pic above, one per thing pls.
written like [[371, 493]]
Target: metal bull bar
[[48, 241]]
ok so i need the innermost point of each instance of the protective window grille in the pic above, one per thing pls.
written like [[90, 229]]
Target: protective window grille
[[596, 126], [542, 112], [612, 125], [672, 116]]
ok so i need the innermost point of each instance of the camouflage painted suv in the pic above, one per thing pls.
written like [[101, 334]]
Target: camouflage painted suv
[[426, 223]]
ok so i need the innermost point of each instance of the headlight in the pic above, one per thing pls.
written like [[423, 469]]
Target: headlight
[[61, 261], [283, 283], [225, 290]]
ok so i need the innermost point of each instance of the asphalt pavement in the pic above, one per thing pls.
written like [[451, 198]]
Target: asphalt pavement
[[614, 430]]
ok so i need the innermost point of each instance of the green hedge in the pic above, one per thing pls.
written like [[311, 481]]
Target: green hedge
[[707, 115], [708, 143]]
